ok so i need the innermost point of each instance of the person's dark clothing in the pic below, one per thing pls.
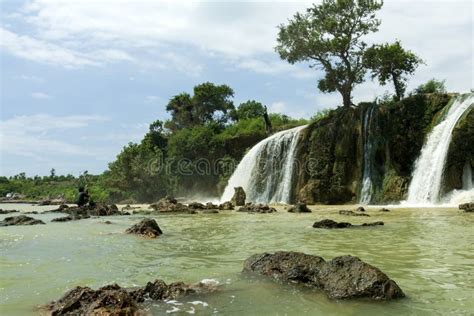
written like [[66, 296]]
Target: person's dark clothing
[[82, 199]]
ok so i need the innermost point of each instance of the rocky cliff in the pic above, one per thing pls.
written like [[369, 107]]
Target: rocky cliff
[[331, 151]]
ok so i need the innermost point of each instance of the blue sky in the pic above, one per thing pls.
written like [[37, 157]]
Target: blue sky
[[80, 79]]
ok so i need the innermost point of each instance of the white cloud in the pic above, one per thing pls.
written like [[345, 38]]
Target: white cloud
[[40, 95], [31, 135], [29, 78], [277, 107]]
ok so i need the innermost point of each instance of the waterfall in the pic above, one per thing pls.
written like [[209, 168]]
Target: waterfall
[[467, 180], [427, 177], [366, 191], [266, 171]]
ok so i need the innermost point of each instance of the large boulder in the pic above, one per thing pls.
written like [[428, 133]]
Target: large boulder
[[257, 208], [169, 204], [115, 300], [299, 208], [343, 277], [239, 197], [96, 209], [146, 227], [467, 207], [20, 220], [226, 206]]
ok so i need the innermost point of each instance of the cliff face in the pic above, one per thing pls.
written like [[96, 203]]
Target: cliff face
[[331, 151]]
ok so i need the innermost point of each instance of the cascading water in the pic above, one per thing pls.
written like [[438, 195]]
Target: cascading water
[[367, 187], [467, 179], [427, 178], [266, 171]]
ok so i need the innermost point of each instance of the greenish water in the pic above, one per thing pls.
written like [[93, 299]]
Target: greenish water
[[428, 252]]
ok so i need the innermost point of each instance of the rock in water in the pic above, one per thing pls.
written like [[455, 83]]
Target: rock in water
[[384, 210], [360, 209], [330, 224], [343, 277], [114, 300], [226, 206], [20, 220], [299, 208], [169, 204], [7, 211], [257, 208], [147, 227], [197, 206], [239, 197], [467, 207]]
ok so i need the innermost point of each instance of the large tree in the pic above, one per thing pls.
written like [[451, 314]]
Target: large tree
[[329, 36], [391, 62], [210, 103]]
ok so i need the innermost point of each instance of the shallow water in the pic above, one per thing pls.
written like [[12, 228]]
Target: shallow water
[[428, 252]]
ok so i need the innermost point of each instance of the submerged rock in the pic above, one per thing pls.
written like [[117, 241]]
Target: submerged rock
[[256, 208], [8, 211], [467, 207], [115, 300], [226, 206], [20, 220], [210, 211], [352, 213], [299, 208], [384, 210], [343, 277], [330, 224], [239, 197], [147, 227], [70, 218]]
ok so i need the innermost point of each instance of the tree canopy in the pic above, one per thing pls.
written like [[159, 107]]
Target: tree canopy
[[391, 62], [329, 36]]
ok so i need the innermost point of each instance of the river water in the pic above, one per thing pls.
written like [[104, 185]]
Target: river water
[[428, 252]]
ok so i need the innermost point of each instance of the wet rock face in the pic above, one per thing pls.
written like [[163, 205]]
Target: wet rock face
[[20, 220], [343, 277], [114, 300], [70, 218], [299, 208], [330, 224], [239, 197], [257, 208], [147, 227], [467, 207]]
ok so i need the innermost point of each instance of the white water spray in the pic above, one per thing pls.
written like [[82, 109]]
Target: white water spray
[[366, 191], [266, 171], [429, 168]]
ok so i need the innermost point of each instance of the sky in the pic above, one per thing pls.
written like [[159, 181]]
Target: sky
[[80, 79]]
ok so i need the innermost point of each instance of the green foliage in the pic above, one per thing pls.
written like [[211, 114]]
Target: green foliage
[[432, 86], [209, 103], [329, 36], [322, 114], [248, 110], [391, 62]]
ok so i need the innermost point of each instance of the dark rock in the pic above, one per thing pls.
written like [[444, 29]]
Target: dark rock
[[70, 218], [467, 207], [98, 209], [226, 206], [210, 212], [384, 210], [169, 204], [239, 197], [256, 208], [20, 220], [44, 202], [147, 227], [197, 206], [114, 300], [32, 212], [8, 211], [108, 222], [299, 208], [360, 209], [352, 213], [343, 277], [330, 224], [211, 206]]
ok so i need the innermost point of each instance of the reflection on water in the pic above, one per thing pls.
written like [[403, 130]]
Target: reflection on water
[[428, 252]]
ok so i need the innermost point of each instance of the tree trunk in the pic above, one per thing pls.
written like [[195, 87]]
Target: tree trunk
[[398, 87], [346, 97]]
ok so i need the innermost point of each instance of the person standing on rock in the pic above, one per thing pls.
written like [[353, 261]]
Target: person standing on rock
[[83, 197]]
